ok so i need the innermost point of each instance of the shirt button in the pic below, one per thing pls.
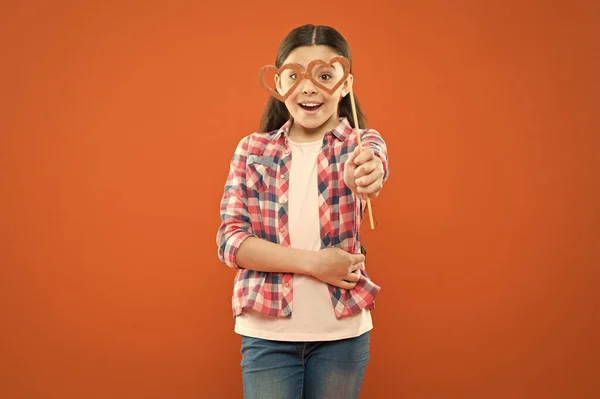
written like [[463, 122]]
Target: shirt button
[[281, 201], [282, 176], [286, 152], [282, 229], [287, 285]]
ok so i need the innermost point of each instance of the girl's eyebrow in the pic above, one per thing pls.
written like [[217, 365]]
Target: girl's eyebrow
[[295, 64], [303, 67]]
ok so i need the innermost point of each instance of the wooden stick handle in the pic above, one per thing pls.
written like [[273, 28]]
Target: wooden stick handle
[[359, 146]]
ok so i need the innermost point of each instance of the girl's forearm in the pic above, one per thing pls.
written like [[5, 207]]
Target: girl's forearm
[[261, 255]]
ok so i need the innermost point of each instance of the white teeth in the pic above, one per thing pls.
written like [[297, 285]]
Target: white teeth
[[310, 104]]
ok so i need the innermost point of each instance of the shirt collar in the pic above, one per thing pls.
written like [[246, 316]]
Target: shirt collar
[[341, 131]]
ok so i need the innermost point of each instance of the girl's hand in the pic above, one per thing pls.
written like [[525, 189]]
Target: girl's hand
[[363, 173], [337, 267]]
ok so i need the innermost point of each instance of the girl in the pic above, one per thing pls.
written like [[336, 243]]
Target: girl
[[290, 217]]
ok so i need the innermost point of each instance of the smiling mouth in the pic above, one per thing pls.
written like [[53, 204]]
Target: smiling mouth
[[310, 106]]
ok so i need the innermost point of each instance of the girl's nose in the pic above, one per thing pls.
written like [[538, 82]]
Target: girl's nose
[[308, 87]]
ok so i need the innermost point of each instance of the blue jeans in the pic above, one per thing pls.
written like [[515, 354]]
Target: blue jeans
[[304, 370]]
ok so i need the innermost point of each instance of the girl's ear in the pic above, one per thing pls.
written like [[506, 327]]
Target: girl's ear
[[278, 84], [347, 85]]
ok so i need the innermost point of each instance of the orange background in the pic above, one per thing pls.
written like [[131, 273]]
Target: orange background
[[117, 123]]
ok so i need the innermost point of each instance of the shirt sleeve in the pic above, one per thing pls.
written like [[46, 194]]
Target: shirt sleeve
[[372, 140], [235, 225]]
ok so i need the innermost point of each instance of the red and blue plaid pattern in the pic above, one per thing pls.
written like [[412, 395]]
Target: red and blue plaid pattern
[[255, 203]]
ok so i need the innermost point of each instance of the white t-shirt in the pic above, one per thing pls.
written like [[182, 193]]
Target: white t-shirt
[[313, 318]]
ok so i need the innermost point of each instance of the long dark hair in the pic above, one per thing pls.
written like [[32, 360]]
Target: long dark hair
[[276, 113]]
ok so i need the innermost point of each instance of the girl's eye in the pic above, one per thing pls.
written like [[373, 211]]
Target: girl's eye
[[325, 76], [293, 76]]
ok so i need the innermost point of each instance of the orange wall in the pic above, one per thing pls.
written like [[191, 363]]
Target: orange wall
[[117, 123]]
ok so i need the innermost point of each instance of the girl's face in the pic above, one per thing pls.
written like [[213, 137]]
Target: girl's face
[[310, 106]]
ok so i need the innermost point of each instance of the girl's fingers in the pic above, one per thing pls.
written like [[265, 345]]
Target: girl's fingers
[[366, 180], [370, 189], [353, 277], [364, 156], [365, 169], [346, 285]]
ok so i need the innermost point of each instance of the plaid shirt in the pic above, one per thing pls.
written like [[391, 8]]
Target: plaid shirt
[[255, 204]]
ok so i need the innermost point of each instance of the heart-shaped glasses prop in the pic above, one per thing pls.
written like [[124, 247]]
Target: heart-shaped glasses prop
[[327, 76]]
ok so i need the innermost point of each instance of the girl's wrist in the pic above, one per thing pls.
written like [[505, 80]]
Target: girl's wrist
[[307, 264]]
